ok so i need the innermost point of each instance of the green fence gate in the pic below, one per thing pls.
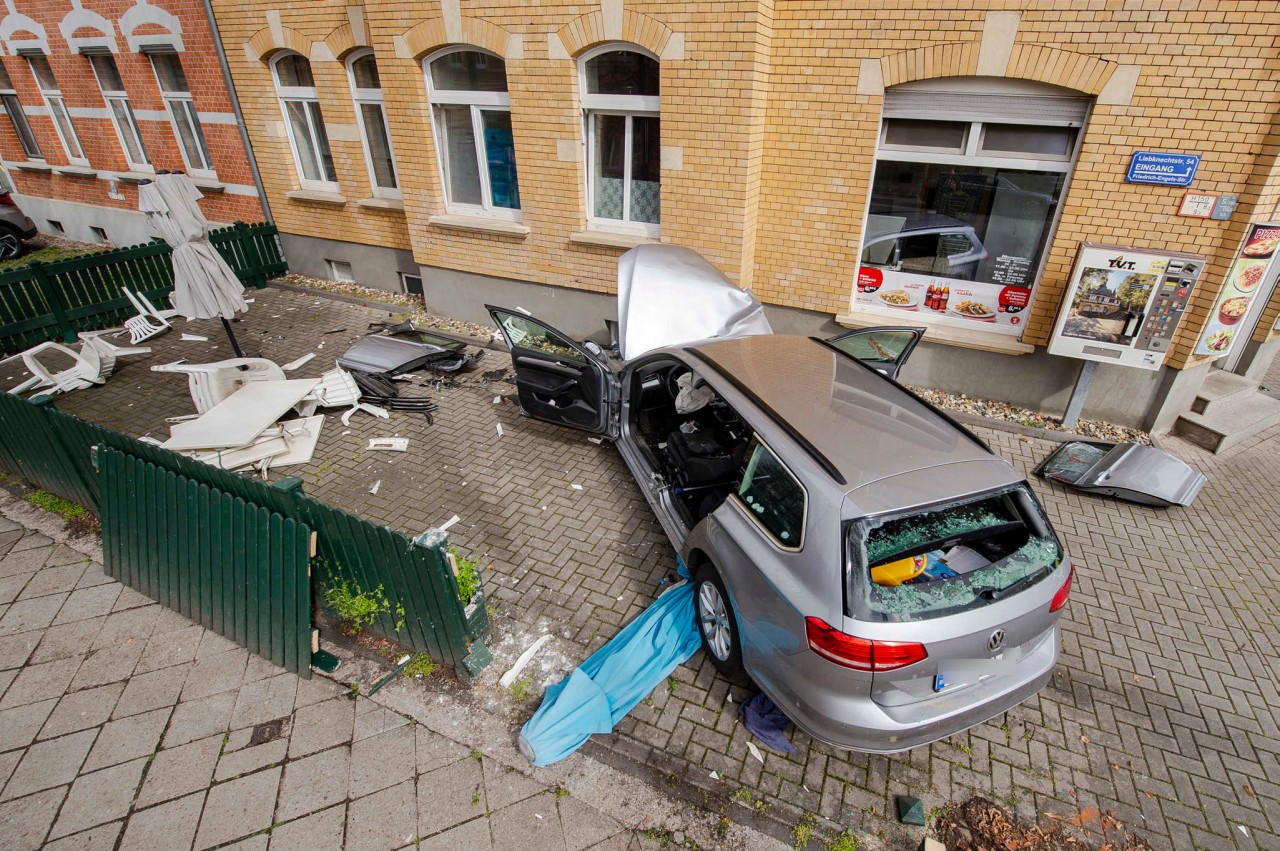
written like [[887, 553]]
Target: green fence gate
[[237, 569]]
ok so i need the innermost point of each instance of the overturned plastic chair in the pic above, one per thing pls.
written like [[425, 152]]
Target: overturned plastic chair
[[210, 383], [149, 322], [92, 365]]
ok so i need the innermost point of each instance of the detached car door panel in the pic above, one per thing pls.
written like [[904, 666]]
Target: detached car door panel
[[558, 381]]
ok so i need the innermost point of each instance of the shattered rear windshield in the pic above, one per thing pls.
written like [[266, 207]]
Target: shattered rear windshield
[[949, 558]]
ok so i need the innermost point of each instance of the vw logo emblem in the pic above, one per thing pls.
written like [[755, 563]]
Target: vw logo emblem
[[996, 641]]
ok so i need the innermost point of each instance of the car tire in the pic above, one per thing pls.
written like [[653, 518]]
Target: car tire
[[11, 244], [714, 618]]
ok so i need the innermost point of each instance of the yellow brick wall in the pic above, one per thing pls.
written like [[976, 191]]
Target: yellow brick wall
[[778, 144]]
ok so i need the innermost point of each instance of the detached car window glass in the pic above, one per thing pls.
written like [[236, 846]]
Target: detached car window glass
[[772, 496], [530, 335], [950, 558]]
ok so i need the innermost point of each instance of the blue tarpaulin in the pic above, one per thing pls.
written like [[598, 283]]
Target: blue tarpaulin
[[608, 685]]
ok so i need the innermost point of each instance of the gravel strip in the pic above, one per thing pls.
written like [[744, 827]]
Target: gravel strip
[[1092, 429]]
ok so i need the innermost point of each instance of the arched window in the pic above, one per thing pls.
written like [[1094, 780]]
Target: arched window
[[471, 116], [300, 104], [366, 91], [620, 99]]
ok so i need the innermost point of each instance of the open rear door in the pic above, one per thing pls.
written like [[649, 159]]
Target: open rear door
[[559, 381], [882, 349]]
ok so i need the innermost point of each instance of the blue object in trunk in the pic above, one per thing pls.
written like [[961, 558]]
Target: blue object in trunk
[[764, 720], [608, 685]]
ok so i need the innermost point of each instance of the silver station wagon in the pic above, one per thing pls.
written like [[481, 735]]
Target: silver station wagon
[[873, 566]]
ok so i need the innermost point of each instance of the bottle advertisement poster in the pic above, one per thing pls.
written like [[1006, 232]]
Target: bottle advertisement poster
[[1247, 272], [996, 308]]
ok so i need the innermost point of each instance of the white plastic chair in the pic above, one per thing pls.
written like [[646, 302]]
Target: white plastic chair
[[141, 327], [95, 361], [210, 383]]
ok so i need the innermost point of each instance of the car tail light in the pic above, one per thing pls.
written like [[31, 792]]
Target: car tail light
[[861, 654], [6, 200], [1060, 598]]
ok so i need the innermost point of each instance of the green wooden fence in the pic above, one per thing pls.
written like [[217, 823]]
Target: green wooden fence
[[53, 450], [238, 569], [48, 301]]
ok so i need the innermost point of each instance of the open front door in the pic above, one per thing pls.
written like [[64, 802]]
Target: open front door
[[883, 349], [559, 381]]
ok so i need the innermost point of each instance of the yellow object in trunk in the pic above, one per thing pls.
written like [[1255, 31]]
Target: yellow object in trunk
[[898, 572]]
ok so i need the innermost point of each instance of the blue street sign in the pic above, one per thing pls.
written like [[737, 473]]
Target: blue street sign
[[1162, 169]]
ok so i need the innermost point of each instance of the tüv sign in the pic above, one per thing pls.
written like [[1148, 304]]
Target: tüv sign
[[1162, 169]]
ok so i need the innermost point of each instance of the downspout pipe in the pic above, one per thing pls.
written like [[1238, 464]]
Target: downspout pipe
[[235, 108]]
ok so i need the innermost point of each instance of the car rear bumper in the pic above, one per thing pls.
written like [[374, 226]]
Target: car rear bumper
[[28, 228], [831, 715]]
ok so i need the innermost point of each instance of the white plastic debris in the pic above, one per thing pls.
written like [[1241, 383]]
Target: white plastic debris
[[1243, 829], [444, 527], [595, 440], [389, 444], [576, 487], [537, 816], [499, 425], [497, 399], [294, 364], [195, 338], [715, 775], [755, 752], [376, 485], [510, 676], [250, 300]]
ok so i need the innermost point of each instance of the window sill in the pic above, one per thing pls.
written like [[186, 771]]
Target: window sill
[[501, 227], [32, 165], [316, 197], [76, 171], [208, 184], [138, 177], [947, 335], [391, 204], [608, 239]]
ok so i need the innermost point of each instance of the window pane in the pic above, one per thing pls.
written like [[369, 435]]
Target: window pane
[[200, 158], [461, 169], [609, 155], [60, 117], [296, 111], [322, 142], [500, 154], [1013, 138], [365, 73], [527, 334], [773, 496], [5, 82], [134, 151], [645, 169], [21, 127], [108, 74], [375, 127], [169, 72], [622, 72], [469, 70], [883, 347], [44, 74], [295, 70], [910, 133]]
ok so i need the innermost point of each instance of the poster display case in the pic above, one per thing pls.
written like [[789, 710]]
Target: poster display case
[[1252, 266]]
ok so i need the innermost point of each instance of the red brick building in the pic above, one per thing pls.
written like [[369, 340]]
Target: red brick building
[[101, 94]]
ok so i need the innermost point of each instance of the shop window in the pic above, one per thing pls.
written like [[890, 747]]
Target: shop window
[[13, 108], [181, 108], [620, 99], [471, 114], [964, 197], [135, 153], [304, 123], [57, 106], [366, 91]]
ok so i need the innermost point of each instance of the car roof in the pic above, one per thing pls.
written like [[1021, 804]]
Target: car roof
[[860, 426]]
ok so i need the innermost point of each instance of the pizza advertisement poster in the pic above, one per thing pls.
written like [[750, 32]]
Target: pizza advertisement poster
[[1226, 319]]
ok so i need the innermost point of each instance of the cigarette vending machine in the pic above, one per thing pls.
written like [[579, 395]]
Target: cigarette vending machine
[[1124, 305]]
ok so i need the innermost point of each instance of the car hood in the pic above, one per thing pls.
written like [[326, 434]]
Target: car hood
[[669, 295]]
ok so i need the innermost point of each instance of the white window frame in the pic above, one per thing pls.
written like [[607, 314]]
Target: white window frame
[[122, 97], [480, 102], [373, 97], [302, 94], [55, 103], [184, 102], [19, 120], [630, 106]]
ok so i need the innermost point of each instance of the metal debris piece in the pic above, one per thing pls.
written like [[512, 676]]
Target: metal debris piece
[[1129, 471]]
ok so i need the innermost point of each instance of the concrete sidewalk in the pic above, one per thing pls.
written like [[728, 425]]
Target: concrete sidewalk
[[124, 725]]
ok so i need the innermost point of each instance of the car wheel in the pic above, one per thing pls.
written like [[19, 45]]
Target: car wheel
[[713, 614], [11, 245]]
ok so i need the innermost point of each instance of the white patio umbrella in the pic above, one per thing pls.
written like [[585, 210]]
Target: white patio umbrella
[[204, 286]]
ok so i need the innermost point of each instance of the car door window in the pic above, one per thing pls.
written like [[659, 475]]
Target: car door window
[[772, 496], [888, 347], [526, 334]]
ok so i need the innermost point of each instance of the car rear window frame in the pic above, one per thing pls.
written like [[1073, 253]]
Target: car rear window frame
[[857, 576]]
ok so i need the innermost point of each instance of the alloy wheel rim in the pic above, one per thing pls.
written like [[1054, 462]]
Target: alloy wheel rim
[[8, 245], [713, 616]]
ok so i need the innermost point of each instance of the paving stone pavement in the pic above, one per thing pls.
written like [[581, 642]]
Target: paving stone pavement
[[1162, 713]]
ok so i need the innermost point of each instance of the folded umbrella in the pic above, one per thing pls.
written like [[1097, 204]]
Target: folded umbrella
[[608, 685]]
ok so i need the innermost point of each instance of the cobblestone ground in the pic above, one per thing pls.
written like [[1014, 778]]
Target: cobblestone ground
[[1162, 713]]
